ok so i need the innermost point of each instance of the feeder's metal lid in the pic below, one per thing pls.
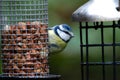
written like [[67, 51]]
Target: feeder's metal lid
[[97, 10]]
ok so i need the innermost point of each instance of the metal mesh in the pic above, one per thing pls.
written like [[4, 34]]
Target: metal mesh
[[14, 11], [100, 57], [24, 37]]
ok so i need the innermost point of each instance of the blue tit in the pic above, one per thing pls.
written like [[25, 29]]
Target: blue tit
[[59, 36]]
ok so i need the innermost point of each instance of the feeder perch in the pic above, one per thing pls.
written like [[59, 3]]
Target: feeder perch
[[24, 40], [99, 23]]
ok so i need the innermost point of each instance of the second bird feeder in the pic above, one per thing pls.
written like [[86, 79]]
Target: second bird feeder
[[99, 39]]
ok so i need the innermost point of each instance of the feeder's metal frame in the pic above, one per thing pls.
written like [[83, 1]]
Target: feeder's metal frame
[[86, 64]]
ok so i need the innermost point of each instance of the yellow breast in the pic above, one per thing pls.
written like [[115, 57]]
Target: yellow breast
[[56, 43]]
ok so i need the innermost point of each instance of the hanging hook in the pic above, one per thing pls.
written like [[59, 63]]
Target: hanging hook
[[96, 24], [118, 23]]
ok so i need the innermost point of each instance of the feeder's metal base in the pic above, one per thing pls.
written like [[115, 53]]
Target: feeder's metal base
[[47, 77]]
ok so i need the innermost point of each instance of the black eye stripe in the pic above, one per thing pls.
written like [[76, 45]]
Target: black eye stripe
[[65, 32]]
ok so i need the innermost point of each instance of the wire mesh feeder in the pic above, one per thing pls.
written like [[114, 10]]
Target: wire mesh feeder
[[99, 41], [24, 39]]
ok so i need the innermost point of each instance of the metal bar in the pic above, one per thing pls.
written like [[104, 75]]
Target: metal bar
[[103, 58], [1, 22], [99, 26], [10, 13], [18, 15], [99, 45], [114, 53], [22, 10], [81, 48], [101, 63], [87, 53], [23, 5], [26, 20]]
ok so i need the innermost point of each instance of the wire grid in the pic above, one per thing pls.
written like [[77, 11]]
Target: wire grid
[[14, 11], [24, 37], [100, 58]]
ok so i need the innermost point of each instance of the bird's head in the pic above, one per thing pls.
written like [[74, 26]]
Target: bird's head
[[64, 32]]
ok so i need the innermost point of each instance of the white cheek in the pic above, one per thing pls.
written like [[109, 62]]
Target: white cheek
[[61, 27], [63, 35]]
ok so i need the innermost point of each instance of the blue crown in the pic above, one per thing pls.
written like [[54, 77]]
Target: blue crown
[[66, 27]]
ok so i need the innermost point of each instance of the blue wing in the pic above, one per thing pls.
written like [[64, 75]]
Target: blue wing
[[54, 45]]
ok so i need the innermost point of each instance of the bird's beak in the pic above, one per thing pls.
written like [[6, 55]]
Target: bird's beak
[[49, 28]]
